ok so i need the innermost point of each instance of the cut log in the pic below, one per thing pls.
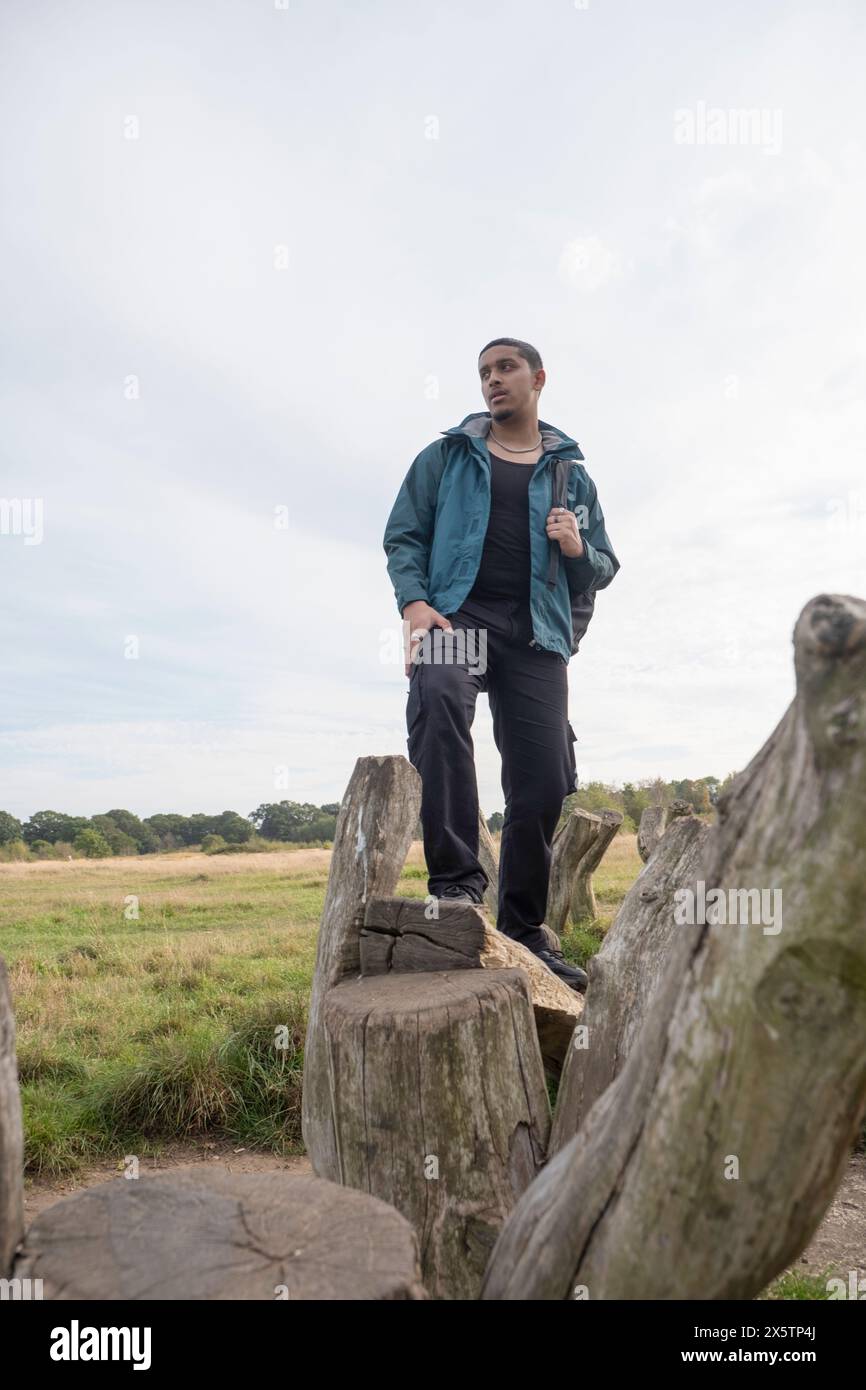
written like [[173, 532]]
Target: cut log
[[625, 975], [441, 1107], [489, 861], [654, 822], [371, 841], [195, 1234], [406, 934], [413, 934], [705, 1167], [578, 848], [11, 1134]]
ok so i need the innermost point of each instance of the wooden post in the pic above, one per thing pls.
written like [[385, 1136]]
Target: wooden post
[[707, 1164], [440, 1106], [625, 975], [578, 848], [372, 838], [654, 822]]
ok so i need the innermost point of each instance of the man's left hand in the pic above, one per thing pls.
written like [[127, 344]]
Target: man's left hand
[[562, 526]]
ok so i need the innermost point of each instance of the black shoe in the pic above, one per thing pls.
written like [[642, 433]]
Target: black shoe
[[571, 975], [461, 893]]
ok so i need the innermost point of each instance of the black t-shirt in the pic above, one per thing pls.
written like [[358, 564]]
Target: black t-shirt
[[505, 566]]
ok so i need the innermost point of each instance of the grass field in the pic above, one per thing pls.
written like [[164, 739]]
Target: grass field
[[134, 1031]]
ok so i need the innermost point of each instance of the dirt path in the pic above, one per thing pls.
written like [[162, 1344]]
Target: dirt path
[[840, 1240], [40, 1193], [839, 1245]]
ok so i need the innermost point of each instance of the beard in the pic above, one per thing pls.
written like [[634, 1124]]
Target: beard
[[502, 411]]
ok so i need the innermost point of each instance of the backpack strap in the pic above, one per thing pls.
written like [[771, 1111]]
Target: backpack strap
[[558, 498], [583, 604]]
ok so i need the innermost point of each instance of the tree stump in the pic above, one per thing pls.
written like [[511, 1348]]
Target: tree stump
[[654, 822], [195, 1234], [11, 1134], [371, 841], [440, 1106], [625, 975], [403, 934], [706, 1165], [578, 848]]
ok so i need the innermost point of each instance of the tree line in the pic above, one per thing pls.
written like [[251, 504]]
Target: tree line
[[55, 835], [632, 798]]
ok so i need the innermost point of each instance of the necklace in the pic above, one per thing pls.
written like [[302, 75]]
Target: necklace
[[508, 448]]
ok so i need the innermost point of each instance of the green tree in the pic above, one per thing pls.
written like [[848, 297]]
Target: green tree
[[171, 831], [91, 844], [53, 826], [285, 820], [234, 829], [596, 797], [10, 828], [13, 852], [712, 785], [117, 841], [728, 782], [199, 826], [697, 793], [322, 828], [144, 837], [635, 801]]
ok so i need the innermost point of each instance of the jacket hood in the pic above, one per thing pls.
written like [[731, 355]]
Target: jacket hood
[[477, 425]]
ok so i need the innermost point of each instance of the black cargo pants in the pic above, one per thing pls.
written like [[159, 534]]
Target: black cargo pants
[[527, 689]]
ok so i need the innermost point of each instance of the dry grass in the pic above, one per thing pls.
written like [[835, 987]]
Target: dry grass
[[154, 866]]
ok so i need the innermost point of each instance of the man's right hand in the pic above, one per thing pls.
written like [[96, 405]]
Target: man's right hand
[[418, 619]]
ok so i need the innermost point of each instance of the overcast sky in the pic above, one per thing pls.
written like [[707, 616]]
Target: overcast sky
[[250, 254]]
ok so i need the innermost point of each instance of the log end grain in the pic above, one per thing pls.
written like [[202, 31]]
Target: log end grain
[[193, 1235]]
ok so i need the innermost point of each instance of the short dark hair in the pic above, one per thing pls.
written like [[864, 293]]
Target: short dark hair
[[532, 355]]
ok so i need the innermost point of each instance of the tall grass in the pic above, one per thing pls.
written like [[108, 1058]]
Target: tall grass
[[136, 1031]]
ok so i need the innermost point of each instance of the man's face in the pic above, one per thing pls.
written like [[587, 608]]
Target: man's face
[[508, 384]]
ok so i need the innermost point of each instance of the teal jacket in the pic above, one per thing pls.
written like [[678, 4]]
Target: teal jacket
[[435, 533]]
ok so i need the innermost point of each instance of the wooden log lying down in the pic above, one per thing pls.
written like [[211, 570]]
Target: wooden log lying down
[[193, 1234], [578, 848], [440, 1106], [398, 934], [371, 841], [707, 1164], [626, 973], [654, 822], [11, 1134]]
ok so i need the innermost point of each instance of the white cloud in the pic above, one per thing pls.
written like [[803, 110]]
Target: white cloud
[[693, 306], [587, 264]]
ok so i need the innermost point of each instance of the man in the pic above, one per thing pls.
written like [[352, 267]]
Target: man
[[497, 539]]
